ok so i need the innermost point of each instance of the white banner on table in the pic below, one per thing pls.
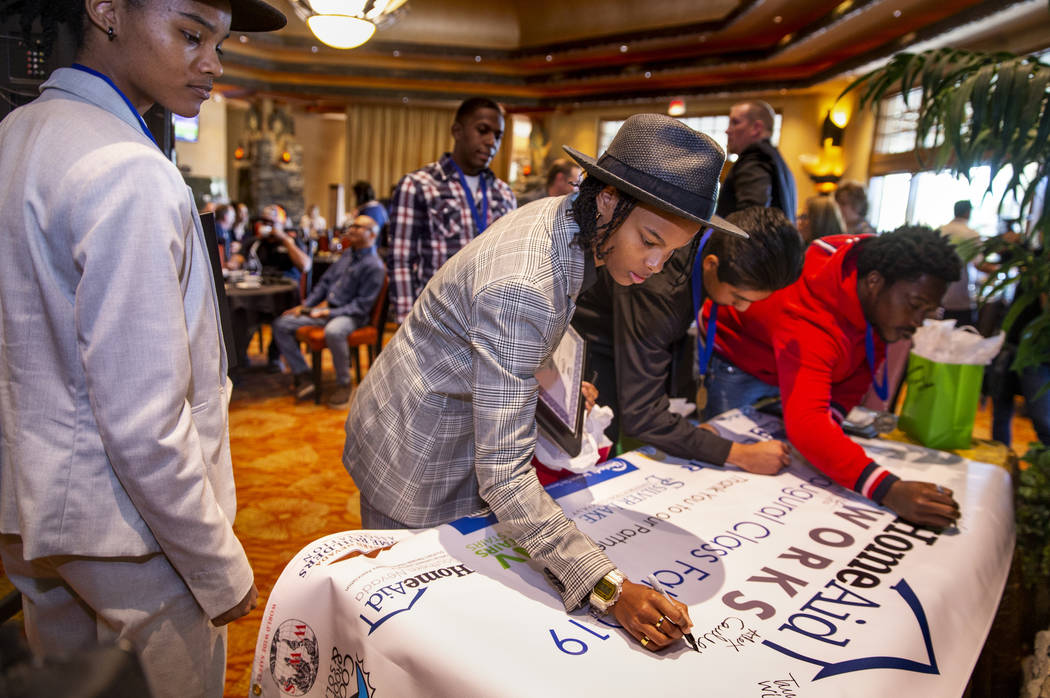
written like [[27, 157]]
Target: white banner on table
[[796, 587]]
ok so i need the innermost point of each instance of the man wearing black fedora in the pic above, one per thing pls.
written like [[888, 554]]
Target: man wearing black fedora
[[443, 425]]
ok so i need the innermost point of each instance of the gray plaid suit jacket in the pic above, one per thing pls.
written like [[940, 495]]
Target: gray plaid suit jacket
[[444, 423]]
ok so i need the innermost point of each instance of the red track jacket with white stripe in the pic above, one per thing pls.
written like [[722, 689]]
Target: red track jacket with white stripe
[[808, 339]]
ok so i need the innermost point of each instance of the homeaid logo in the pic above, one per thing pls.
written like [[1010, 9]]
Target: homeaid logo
[[399, 597], [293, 658]]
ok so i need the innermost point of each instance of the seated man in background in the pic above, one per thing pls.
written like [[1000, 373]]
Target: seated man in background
[[563, 176], [274, 251], [340, 302], [632, 334], [822, 342]]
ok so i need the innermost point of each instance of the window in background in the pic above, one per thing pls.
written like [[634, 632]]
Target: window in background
[[520, 151], [895, 131], [928, 198], [713, 126], [187, 128]]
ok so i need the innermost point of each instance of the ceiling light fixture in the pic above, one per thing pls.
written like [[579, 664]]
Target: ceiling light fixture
[[346, 24]]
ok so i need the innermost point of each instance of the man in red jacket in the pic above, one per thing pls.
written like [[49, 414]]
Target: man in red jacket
[[822, 342]]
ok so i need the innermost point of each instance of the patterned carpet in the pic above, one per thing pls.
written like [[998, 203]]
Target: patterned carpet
[[291, 489]]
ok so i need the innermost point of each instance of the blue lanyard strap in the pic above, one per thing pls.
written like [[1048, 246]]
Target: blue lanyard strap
[[705, 350], [142, 122], [883, 390], [480, 222]]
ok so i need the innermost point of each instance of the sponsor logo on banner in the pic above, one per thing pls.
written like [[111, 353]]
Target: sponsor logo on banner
[[294, 660], [841, 627], [391, 591], [347, 678]]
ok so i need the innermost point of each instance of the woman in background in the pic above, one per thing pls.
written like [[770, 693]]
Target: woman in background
[[820, 218]]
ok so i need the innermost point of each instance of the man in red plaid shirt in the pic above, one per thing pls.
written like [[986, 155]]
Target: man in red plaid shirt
[[442, 206]]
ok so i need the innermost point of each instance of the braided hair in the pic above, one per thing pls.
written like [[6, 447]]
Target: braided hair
[[592, 236]]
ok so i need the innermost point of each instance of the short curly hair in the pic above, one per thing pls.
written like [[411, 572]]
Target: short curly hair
[[768, 260], [907, 253]]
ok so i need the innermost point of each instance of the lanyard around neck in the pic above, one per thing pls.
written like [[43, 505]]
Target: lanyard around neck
[[883, 390], [480, 221], [703, 351], [138, 117]]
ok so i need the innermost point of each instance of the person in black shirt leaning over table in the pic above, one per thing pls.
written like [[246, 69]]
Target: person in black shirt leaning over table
[[634, 332]]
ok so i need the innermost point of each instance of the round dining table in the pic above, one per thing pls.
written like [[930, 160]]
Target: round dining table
[[254, 302]]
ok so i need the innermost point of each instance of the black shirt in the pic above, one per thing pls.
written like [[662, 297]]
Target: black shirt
[[641, 327]]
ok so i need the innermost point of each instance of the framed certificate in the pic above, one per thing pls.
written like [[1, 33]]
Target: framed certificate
[[559, 410]]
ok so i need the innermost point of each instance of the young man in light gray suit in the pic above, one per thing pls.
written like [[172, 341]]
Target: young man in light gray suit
[[116, 487]]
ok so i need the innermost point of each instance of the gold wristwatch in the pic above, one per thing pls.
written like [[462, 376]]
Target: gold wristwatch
[[607, 591]]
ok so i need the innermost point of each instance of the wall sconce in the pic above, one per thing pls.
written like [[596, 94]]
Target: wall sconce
[[825, 169], [286, 157], [346, 24], [834, 125], [676, 107], [238, 152]]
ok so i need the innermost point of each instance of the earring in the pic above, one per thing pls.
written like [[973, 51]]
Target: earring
[[111, 34]]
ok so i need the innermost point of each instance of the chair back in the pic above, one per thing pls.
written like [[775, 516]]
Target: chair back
[[379, 311]]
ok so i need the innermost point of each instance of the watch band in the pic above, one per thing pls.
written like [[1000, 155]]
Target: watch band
[[607, 591]]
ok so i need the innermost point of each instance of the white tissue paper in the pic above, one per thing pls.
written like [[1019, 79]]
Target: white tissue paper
[[681, 407], [594, 438], [943, 342]]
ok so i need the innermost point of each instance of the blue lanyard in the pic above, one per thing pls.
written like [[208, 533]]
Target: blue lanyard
[[883, 390], [480, 222], [704, 351], [142, 122]]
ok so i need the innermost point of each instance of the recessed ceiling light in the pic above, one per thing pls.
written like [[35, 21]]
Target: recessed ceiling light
[[549, 58], [896, 13], [313, 49], [623, 48], [396, 53], [243, 39], [404, 100], [477, 59], [778, 19], [648, 75]]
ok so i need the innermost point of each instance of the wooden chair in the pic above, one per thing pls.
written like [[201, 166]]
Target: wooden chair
[[369, 336]]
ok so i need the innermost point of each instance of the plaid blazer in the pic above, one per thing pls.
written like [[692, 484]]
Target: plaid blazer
[[443, 424]]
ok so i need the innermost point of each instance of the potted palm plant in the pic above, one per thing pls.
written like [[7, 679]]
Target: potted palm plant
[[994, 109]]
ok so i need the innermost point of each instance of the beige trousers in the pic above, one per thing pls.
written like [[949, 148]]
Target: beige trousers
[[74, 602]]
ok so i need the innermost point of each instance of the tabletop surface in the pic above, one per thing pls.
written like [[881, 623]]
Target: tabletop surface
[[796, 587]]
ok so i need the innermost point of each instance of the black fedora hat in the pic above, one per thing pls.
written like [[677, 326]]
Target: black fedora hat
[[666, 164], [255, 16]]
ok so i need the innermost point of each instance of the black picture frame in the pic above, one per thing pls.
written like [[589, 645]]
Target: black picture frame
[[560, 407]]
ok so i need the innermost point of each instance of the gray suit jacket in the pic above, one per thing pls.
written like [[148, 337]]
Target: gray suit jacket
[[444, 425], [113, 395]]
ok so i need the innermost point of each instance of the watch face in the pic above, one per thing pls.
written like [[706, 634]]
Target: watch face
[[604, 589]]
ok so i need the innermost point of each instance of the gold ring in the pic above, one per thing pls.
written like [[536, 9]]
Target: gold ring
[[660, 622], [645, 640]]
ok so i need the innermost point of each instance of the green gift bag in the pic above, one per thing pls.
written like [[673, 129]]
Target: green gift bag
[[941, 402]]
